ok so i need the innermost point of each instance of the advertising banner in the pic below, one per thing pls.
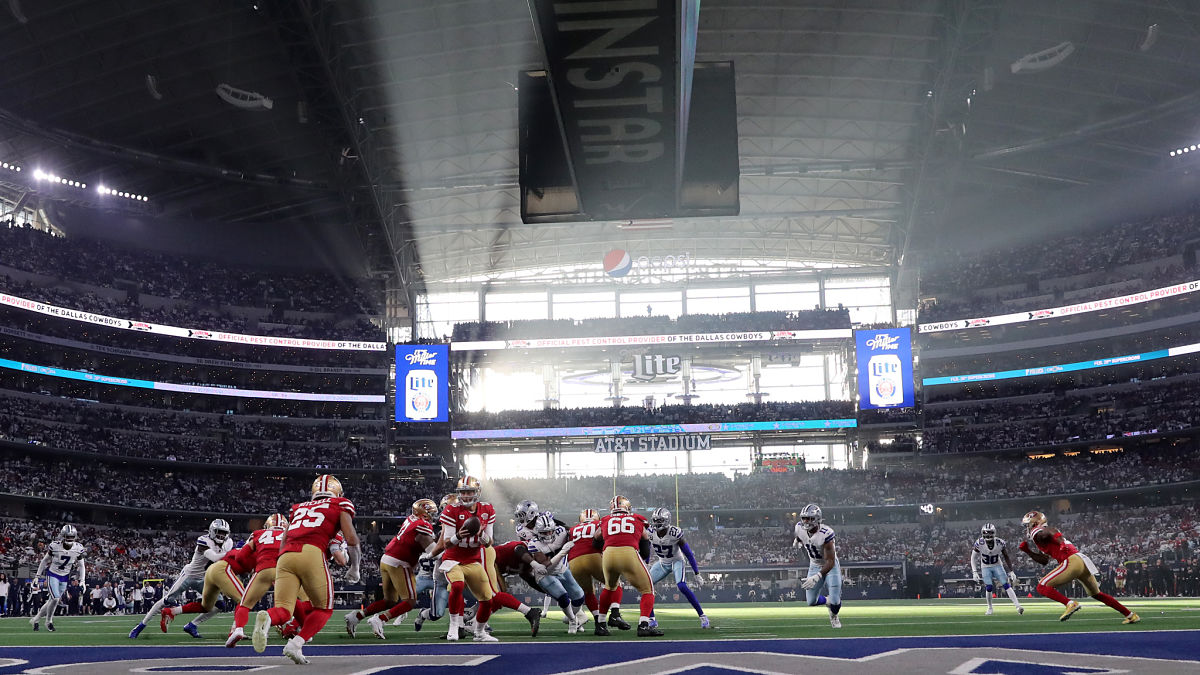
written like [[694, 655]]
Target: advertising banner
[[635, 340], [422, 383], [885, 368], [652, 429], [654, 443]]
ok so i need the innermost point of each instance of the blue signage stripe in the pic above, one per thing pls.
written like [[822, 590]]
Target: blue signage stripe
[[647, 429], [1047, 370]]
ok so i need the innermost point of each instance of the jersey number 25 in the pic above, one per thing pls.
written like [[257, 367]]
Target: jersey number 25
[[308, 516]]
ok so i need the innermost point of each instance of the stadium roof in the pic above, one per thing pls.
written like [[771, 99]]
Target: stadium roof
[[861, 122]]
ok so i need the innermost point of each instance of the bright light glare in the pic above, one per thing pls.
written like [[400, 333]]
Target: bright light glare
[[38, 175]]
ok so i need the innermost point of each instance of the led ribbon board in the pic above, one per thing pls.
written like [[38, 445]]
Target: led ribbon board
[[650, 429], [50, 371]]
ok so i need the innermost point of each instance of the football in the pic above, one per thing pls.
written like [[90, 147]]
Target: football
[[472, 525]]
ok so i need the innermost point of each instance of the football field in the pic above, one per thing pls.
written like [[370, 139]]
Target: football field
[[922, 629]]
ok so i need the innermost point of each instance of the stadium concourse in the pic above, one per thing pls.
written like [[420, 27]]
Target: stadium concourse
[[573, 337]]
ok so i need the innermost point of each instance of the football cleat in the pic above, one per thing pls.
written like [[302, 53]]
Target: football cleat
[[988, 612], [50, 626], [292, 650], [35, 626], [534, 617], [377, 624], [289, 630], [615, 620], [1020, 609], [235, 636], [484, 636], [645, 630], [452, 633], [1132, 618], [165, 618], [582, 617], [704, 622], [399, 621], [351, 624], [193, 630], [137, 630], [419, 622], [653, 622], [601, 629], [262, 623], [835, 622], [1072, 607]]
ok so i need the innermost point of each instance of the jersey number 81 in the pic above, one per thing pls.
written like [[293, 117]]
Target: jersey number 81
[[622, 525]]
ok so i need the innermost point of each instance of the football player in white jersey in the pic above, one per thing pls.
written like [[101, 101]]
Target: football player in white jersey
[[997, 567], [210, 548], [824, 570], [666, 540], [62, 555], [550, 568], [524, 515]]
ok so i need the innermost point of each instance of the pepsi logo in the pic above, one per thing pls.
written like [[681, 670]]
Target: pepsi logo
[[617, 263]]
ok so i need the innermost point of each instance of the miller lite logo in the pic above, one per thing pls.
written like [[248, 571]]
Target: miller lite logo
[[421, 357], [646, 367], [883, 341]]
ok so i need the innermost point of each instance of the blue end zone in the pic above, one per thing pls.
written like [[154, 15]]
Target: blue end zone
[[544, 658]]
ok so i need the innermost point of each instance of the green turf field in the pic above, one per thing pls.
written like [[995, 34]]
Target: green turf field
[[765, 620]]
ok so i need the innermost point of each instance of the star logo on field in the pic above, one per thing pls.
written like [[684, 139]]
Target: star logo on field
[[864, 593]]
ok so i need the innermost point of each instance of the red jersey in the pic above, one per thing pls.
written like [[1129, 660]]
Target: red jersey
[[316, 522], [241, 560], [508, 557], [622, 529], [453, 517], [403, 548], [266, 547], [582, 535], [1059, 548]]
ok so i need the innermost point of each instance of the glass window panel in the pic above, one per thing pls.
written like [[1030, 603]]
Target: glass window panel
[[514, 306], [653, 463], [728, 461], [659, 303], [502, 465], [447, 309], [857, 282], [857, 297], [718, 300], [581, 464], [585, 305], [786, 302], [507, 389]]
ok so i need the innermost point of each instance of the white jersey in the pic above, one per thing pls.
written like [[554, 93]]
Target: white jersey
[[814, 543], [989, 555], [525, 534], [62, 559], [200, 562], [666, 547]]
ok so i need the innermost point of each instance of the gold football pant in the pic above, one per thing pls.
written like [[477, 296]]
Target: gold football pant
[[588, 570], [475, 578], [220, 579], [398, 583], [303, 570], [624, 561], [1072, 569]]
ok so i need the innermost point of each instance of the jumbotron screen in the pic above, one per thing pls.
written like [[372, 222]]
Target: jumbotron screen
[[422, 383]]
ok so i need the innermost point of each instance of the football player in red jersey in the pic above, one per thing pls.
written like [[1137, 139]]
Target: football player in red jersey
[[1072, 566], [220, 578], [302, 564], [587, 567], [262, 549], [469, 561], [625, 543], [401, 557]]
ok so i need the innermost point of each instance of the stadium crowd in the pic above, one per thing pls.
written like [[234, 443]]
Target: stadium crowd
[[666, 414], [810, 319], [1100, 256], [210, 282]]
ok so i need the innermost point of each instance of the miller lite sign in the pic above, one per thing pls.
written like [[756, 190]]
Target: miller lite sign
[[885, 368], [422, 383], [647, 367]]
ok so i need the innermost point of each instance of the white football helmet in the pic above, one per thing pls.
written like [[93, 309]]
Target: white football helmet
[[68, 535], [810, 515], [526, 512], [661, 518], [989, 532], [218, 529], [544, 527]]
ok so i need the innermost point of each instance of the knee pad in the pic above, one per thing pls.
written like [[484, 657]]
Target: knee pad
[[989, 588], [1007, 586]]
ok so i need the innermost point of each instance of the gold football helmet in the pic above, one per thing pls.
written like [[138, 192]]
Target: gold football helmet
[[447, 500], [1033, 520], [326, 486], [468, 490], [588, 515], [276, 520], [620, 504], [425, 508]]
